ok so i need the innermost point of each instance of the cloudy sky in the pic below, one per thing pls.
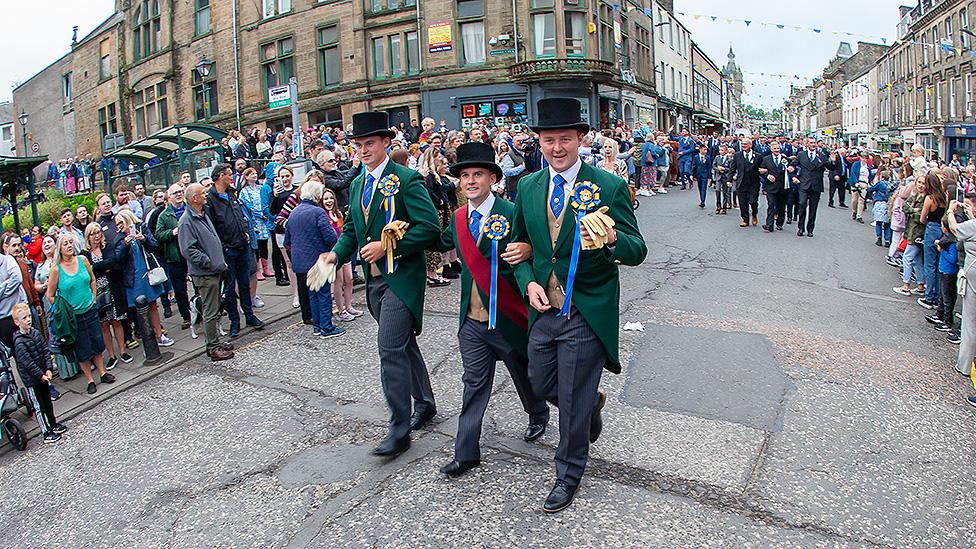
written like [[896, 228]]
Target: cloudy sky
[[42, 34], [768, 49]]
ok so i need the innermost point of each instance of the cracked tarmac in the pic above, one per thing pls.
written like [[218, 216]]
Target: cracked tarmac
[[781, 396]]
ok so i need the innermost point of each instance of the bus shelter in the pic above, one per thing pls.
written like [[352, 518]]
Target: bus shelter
[[161, 158], [16, 175]]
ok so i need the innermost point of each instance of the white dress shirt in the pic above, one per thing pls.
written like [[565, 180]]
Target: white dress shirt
[[485, 210], [569, 175], [377, 175]]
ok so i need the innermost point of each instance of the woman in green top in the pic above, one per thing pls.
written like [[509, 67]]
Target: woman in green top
[[74, 282]]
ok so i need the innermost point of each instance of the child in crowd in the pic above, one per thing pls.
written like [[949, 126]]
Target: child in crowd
[[882, 221], [943, 319], [898, 222], [34, 365], [342, 287]]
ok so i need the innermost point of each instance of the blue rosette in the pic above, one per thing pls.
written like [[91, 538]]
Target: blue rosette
[[495, 228]]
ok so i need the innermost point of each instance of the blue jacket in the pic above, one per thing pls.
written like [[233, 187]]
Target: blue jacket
[[701, 169], [948, 259], [878, 192], [854, 174], [308, 234], [125, 255]]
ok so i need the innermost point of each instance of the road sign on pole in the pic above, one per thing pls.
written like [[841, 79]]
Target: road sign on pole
[[279, 97], [298, 148]]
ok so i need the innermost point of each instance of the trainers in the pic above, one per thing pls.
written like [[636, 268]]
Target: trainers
[[51, 438], [355, 312], [660, 191], [316, 331], [934, 319], [921, 301], [257, 302], [971, 400], [58, 428], [294, 302], [954, 339], [112, 363], [132, 343], [345, 316], [55, 394], [919, 290], [334, 332], [125, 357], [943, 327], [901, 290], [165, 341], [108, 379], [91, 387]]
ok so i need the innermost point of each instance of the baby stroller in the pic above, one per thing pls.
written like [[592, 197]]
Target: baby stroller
[[12, 397]]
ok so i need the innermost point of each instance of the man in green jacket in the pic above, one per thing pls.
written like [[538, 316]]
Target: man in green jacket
[[487, 335], [166, 235], [386, 191], [573, 292]]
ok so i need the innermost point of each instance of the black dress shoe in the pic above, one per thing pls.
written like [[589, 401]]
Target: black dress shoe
[[559, 497], [534, 432], [767, 229], [449, 273], [810, 234], [419, 419], [391, 447], [779, 227], [282, 282], [458, 468], [596, 420], [799, 233]]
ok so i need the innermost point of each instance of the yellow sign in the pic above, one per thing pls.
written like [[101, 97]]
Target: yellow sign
[[439, 37]]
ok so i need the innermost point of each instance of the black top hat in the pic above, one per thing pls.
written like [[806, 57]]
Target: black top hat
[[559, 113], [475, 154], [365, 124]]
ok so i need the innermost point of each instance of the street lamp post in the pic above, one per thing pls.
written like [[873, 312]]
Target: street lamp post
[[23, 127], [203, 68]]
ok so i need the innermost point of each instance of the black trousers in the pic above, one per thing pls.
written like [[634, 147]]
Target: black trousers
[[947, 297], [301, 283], [841, 188], [775, 208], [40, 397], [748, 199], [723, 196], [809, 200], [278, 261], [176, 271], [792, 201]]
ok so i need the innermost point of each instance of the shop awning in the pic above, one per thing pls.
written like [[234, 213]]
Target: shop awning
[[167, 141]]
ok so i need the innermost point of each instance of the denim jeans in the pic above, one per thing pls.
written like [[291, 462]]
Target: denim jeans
[[933, 232], [883, 229], [911, 262], [320, 302], [238, 281]]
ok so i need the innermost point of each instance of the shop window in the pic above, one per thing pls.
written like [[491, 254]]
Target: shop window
[[329, 58], [150, 107], [277, 62], [575, 33], [201, 20], [205, 95], [544, 30], [473, 43]]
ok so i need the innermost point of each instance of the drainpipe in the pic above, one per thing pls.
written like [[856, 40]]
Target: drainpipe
[[420, 58], [515, 33], [237, 73]]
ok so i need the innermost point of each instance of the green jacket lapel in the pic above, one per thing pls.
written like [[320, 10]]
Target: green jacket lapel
[[375, 207], [586, 173], [536, 214]]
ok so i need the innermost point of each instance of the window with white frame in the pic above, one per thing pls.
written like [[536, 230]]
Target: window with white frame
[[952, 97], [473, 42], [150, 109], [969, 95], [938, 100], [275, 7], [963, 27], [66, 88], [544, 32], [575, 33]]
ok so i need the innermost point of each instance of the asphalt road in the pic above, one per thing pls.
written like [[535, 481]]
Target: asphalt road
[[781, 395]]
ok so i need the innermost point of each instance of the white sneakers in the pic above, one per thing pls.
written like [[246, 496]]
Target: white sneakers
[[257, 302], [294, 302], [165, 341]]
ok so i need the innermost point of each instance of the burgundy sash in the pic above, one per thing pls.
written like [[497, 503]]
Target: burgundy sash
[[510, 303]]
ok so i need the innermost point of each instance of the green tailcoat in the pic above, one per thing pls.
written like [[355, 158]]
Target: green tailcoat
[[513, 334], [414, 206], [596, 291]]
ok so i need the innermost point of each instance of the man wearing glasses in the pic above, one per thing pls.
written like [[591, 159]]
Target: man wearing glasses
[[335, 179], [166, 235]]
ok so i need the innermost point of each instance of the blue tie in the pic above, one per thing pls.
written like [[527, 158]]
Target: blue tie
[[368, 191], [558, 199], [475, 225]]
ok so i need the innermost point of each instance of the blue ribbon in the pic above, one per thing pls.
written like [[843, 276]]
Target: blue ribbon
[[390, 216], [493, 295], [573, 262]]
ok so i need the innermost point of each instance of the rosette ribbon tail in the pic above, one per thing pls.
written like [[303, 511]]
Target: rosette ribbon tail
[[390, 208], [573, 263], [493, 294]]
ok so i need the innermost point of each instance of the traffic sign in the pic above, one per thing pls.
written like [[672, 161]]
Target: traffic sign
[[35, 148], [278, 97]]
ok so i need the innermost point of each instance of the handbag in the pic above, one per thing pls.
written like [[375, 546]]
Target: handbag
[[902, 244], [157, 275]]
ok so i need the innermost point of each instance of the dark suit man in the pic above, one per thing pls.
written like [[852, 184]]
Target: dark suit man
[[713, 144], [837, 176], [809, 174], [701, 170], [774, 186], [747, 182]]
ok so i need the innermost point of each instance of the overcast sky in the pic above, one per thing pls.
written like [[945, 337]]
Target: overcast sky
[[38, 32], [42, 34], [768, 49]]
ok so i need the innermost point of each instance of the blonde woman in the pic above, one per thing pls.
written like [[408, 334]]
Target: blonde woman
[[434, 168], [610, 162], [73, 281], [134, 254], [102, 261]]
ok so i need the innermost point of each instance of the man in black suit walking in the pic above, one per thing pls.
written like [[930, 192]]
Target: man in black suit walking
[[837, 176], [747, 182], [809, 175], [773, 170]]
